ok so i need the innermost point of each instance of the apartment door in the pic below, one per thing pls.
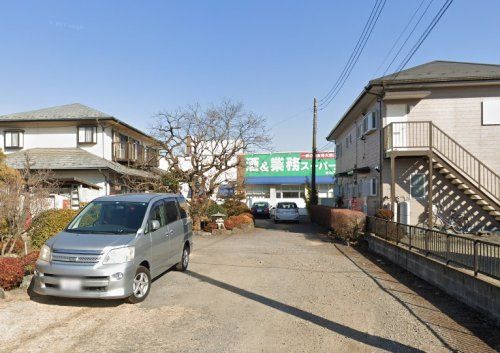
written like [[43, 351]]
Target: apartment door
[[397, 113]]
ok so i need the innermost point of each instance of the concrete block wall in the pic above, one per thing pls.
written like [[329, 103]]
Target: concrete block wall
[[480, 294]]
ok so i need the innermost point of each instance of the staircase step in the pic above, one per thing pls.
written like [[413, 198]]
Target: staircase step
[[438, 165], [488, 208], [497, 218], [444, 171], [451, 176], [457, 181], [469, 192], [463, 187], [481, 202], [495, 213], [475, 197]]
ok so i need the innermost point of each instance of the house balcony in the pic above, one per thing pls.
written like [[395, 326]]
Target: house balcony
[[135, 154]]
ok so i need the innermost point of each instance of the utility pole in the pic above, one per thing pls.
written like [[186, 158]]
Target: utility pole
[[313, 197]]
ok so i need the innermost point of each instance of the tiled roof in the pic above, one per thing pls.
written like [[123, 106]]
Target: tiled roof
[[73, 111], [68, 158], [443, 71]]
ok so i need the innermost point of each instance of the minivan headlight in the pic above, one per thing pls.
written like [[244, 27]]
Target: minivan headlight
[[119, 256], [44, 253]]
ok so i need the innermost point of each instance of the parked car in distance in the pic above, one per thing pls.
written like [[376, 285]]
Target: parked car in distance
[[115, 246], [286, 211], [261, 209]]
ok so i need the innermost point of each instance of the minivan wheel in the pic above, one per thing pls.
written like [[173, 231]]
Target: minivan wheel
[[140, 286], [183, 265]]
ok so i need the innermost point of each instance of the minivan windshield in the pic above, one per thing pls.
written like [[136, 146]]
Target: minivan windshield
[[109, 217]]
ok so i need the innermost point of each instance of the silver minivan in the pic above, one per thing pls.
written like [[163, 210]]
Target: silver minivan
[[115, 246]]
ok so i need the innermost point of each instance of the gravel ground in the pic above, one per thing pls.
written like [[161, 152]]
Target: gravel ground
[[282, 288]]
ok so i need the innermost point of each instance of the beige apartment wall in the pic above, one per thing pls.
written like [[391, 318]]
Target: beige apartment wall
[[458, 112], [363, 153], [443, 190]]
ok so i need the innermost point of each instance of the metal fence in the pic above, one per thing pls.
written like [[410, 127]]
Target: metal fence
[[477, 255]]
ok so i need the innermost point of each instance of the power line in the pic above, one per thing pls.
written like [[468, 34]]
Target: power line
[[353, 53], [408, 37], [399, 37], [424, 35], [374, 22], [291, 117]]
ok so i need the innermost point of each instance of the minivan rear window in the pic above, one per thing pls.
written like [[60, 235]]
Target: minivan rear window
[[287, 205]]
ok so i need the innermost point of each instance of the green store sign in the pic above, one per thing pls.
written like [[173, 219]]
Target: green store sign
[[289, 164]]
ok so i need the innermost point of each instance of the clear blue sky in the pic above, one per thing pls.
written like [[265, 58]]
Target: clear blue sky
[[134, 58]]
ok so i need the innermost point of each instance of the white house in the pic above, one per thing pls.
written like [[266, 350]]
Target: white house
[[90, 152]]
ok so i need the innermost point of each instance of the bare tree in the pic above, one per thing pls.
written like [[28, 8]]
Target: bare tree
[[202, 146], [23, 195]]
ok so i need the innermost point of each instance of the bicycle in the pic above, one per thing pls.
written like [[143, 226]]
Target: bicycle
[[455, 222]]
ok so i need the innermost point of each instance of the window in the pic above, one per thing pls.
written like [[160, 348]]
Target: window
[[347, 142], [171, 211], [183, 207], [491, 112], [158, 214], [417, 185], [370, 122], [87, 134], [13, 139], [373, 187], [338, 150]]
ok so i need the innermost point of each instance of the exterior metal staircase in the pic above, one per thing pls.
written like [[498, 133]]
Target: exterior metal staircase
[[464, 170]]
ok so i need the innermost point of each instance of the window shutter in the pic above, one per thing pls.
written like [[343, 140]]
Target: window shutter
[[8, 139], [81, 134]]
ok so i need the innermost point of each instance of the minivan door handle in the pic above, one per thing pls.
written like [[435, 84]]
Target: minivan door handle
[[170, 232]]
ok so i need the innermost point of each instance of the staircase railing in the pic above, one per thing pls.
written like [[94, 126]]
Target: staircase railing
[[418, 135]]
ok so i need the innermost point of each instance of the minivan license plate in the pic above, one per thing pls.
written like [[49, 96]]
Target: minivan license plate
[[70, 284]]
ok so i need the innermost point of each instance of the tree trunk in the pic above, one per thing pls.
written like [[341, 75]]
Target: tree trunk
[[196, 223]]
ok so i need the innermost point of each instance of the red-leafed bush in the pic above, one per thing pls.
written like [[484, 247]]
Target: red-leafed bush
[[346, 224], [209, 227], [384, 213], [29, 262], [229, 224], [241, 220], [11, 272]]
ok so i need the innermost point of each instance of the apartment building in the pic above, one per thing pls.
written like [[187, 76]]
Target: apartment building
[[424, 141], [89, 152]]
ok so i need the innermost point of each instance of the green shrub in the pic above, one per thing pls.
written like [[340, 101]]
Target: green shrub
[[11, 272], [48, 224], [347, 225], [214, 208], [235, 207]]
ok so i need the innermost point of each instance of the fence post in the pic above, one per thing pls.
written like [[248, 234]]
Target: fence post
[[426, 242], [447, 249], [397, 233], [386, 222], [409, 241], [475, 258]]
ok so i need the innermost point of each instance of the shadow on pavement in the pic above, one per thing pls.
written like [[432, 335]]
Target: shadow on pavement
[[363, 337], [456, 326]]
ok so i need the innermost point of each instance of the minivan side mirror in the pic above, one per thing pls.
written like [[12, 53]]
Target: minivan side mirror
[[155, 224]]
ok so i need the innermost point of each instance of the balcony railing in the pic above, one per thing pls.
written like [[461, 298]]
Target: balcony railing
[[425, 136], [135, 154]]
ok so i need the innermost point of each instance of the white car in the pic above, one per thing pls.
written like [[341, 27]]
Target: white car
[[286, 211]]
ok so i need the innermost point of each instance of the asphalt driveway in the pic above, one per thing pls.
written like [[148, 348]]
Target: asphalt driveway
[[281, 288]]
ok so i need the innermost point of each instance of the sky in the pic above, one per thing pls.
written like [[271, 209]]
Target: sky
[[132, 59]]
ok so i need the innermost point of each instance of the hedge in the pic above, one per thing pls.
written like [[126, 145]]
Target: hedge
[[48, 224], [11, 272], [345, 224]]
